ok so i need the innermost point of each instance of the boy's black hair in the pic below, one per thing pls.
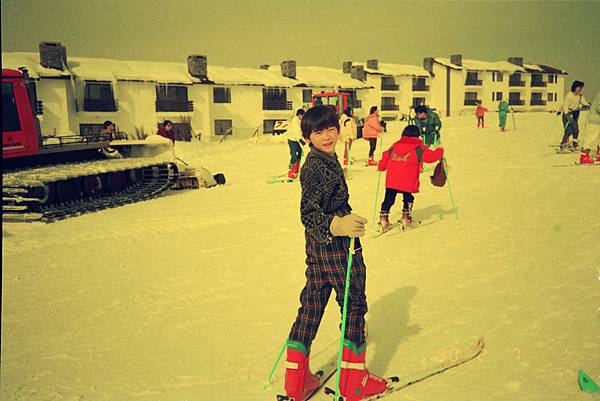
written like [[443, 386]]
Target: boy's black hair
[[411, 130], [300, 112], [317, 119], [373, 109], [166, 122], [107, 123], [576, 84], [421, 109]]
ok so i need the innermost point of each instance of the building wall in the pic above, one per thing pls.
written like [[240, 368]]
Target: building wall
[[53, 94], [245, 110]]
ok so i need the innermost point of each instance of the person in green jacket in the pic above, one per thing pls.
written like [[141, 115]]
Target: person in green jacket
[[503, 110], [429, 125]]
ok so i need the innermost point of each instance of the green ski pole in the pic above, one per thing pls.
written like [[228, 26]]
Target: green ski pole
[[268, 383], [344, 313], [449, 188], [378, 183]]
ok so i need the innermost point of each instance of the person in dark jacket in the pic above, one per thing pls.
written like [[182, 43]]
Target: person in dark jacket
[[403, 161], [167, 131], [329, 225], [429, 124]]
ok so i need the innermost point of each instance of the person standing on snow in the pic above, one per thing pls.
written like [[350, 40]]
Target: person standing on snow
[[592, 137], [503, 110], [429, 125], [294, 138], [347, 131], [480, 113], [329, 225], [371, 132], [403, 161], [571, 106]]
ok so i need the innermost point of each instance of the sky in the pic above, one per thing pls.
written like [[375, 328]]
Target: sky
[[565, 35]]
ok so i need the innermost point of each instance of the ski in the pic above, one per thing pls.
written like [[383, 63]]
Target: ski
[[397, 384], [324, 374], [280, 179], [576, 164], [402, 227]]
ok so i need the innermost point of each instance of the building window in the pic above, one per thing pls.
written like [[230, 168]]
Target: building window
[[98, 96], [418, 101], [472, 78], [388, 83], [223, 127], [389, 103], [221, 95], [496, 96], [497, 77], [10, 116], [275, 99], [470, 98], [173, 98], [307, 96], [269, 126], [90, 130], [552, 97], [552, 79]]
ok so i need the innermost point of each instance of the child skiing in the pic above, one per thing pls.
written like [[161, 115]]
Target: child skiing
[[572, 105], [480, 113], [347, 132], [329, 223], [294, 137], [503, 110], [403, 161], [371, 132], [429, 125]]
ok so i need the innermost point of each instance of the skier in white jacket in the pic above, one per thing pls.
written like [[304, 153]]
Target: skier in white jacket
[[295, 142]]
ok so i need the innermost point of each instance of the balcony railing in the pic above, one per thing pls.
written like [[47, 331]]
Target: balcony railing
[[389, 87], [356, 104], [516, 83], [471, 102], [473, 82], [537, 102], [172, 105], [541, 84], [390, 107], [99, 105], [420, 88], [277, 105], [516, 102]]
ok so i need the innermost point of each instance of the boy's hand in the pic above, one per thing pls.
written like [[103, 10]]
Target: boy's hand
[[351, 225]]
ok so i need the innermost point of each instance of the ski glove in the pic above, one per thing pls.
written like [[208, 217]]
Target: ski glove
[[351, 225], [302, 142]]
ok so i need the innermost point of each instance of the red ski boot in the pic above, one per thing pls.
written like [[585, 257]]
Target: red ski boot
[[584, 157], [299, 382], [356, 383], [371, 162]]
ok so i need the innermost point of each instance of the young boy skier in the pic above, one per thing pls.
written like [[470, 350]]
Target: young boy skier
[[329, 223], [403, 162], [503, 110], [429, 125]]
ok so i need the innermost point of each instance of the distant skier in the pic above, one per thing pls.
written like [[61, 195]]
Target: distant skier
[[592, 138], [503, 110], [403, 161], [480, 113], [294, 138], [347, 131], [429, 125], [571, 106], [167, 131], [371, 131], [329, 223]]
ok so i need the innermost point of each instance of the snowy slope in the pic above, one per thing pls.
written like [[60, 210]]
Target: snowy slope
[[190, 296]]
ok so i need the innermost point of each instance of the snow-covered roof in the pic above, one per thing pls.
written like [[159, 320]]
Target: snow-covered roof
[[551, 70], [323, 77], [479, 65], [394, 69], [532, 67], [248, 76], [31, 61]]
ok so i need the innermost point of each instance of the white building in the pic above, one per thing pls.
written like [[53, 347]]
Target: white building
[[396, 87]]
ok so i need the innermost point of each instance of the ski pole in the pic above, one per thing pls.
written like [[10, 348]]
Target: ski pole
[[513, 118], [449, 187], [348, 158], [344, 313], [378, 182], [275, 365], [584, 129]]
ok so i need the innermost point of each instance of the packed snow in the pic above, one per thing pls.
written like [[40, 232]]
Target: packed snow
[[190, 296]]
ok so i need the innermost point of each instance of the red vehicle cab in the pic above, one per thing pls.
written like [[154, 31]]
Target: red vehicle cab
[[339, 100]]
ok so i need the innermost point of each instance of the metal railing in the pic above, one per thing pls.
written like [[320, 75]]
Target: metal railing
[[473, 82], [516, 102], [389, 87], [276, 105], [390, 107], [516, 83], [173, 105], [537, 102], [541, 84], [99, 105], [471, 102], [420, 88]]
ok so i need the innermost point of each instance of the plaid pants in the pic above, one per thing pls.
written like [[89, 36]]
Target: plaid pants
[[326, 270]]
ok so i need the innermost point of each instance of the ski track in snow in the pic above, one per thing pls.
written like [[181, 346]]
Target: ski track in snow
[[172, 298]]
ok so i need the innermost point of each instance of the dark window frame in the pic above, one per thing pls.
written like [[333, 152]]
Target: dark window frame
[[10, 112], [219, 126], [221, 95], [307, 98]]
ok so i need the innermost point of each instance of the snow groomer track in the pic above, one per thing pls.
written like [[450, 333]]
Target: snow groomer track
[[51, 193]]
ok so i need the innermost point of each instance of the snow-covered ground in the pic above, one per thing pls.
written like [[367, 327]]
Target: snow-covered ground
[[190, 296]]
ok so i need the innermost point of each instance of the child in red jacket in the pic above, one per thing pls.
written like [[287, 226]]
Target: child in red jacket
[[403, 163], [480, 113]]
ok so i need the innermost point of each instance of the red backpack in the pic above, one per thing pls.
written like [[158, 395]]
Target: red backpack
[[439, 175]]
